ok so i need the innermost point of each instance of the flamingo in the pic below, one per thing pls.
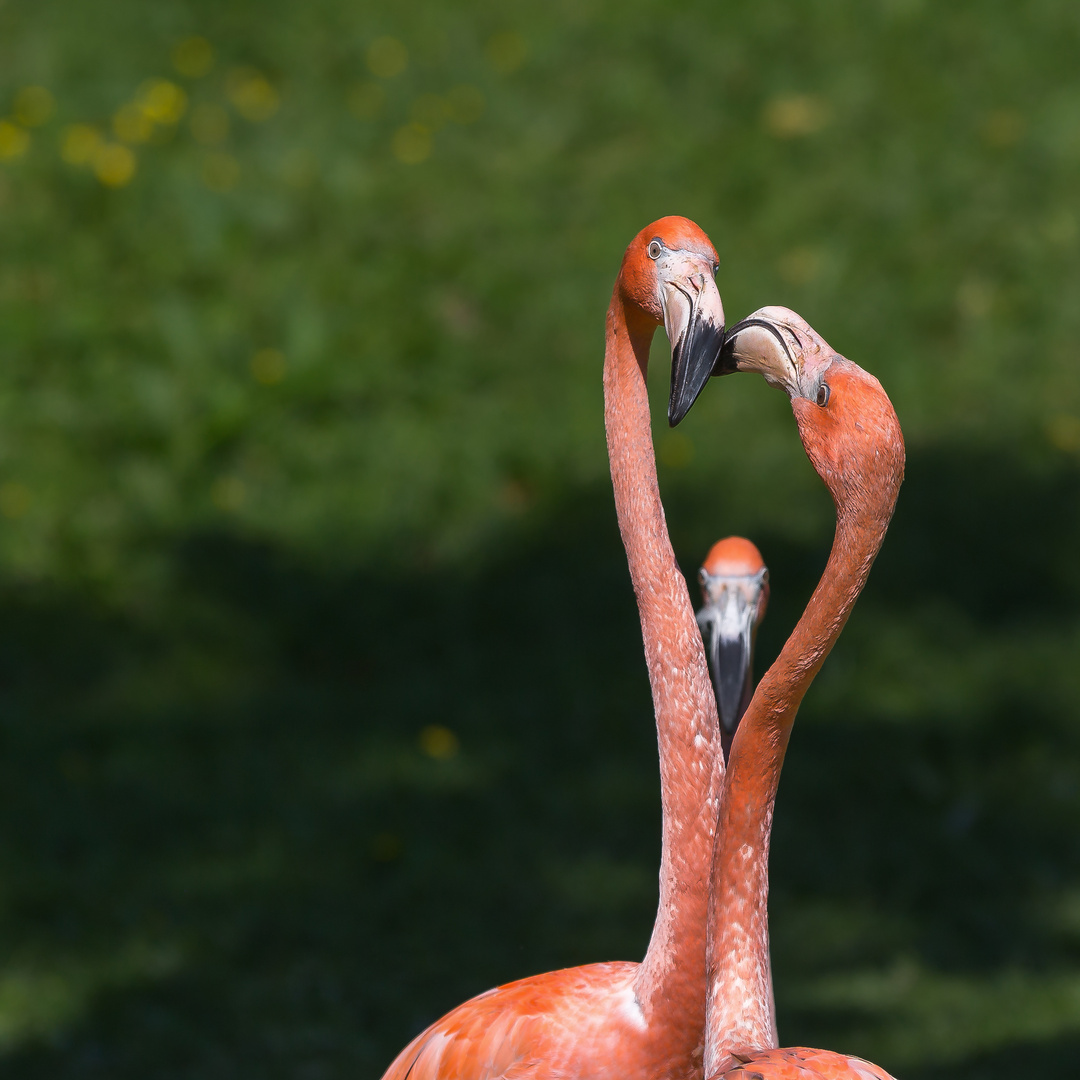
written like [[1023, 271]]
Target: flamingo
[[735, 587], [629, 1020], [851, 434]]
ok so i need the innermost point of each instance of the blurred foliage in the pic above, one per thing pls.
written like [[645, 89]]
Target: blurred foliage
[[321, 695]]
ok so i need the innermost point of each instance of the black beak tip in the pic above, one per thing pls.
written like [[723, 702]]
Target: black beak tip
[[677, 412], [729, 666], [693, 368]]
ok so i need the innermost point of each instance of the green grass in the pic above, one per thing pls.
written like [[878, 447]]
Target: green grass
[[237, 585]]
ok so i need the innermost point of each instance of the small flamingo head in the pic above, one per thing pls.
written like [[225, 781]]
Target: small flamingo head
[[735, 587], [734, 555], [667, 277]]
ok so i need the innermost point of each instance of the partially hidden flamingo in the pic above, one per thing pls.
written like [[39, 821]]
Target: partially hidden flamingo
[[735, 588], [622, 1021], [851, 434]]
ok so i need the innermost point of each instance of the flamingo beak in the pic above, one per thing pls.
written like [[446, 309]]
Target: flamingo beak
[[765, 345], [727, 623], [694, 321]]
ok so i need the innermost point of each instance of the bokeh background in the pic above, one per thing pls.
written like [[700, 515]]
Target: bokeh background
[[322, 703]]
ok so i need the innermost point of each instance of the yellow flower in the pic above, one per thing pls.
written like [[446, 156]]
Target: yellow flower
[[430, 111], [161, 101], [209, 124], [220, 172], [33, 106], [506, 52], [228, 493], [13, 140], [795, 115], [299, 168], [465, 104], [114, 165], [675, 450], [387, 57], [800, 265], [132, 125], [439, 742], [268, 366], [1003, 127], [79, 144], [193, 57], [14, 499], [251, 94], [366, 100], [412, 144], [1063, 431]]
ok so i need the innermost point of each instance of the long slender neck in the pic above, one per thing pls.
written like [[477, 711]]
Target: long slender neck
[[740, 1002], [670, 983]]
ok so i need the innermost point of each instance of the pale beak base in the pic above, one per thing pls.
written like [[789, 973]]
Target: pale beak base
[[694, 321]]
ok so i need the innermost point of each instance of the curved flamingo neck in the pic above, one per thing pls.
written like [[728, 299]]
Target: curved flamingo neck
[[669, 986], [740, 1014]]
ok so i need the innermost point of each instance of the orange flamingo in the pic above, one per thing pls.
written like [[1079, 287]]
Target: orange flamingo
[[853, 439], [627, 1020], [735, 587]]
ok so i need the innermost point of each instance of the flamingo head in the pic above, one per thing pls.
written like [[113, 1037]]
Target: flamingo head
[[735, 587], [668, 276], [846, 421]]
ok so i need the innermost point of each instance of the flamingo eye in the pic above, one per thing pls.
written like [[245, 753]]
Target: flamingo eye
[[823, 395], [655, 249]]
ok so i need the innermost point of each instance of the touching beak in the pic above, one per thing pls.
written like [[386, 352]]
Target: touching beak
[[727, 624], [694, 321], [764, 342]]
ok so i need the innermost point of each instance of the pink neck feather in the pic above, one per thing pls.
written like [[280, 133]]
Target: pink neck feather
[[670, 985]]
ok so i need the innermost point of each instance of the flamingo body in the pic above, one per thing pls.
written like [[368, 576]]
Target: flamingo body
[[578, 1022], [628, 1021], [802, 1063], [852, 437]]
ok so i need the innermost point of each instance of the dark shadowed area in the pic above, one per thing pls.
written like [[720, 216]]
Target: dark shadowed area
[[322, 702]]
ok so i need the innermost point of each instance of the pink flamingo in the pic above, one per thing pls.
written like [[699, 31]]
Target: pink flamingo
[[735, 587], [853, 439], [627, 1020]]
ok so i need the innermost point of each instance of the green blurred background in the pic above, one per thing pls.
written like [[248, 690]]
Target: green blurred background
[[322, 704]]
